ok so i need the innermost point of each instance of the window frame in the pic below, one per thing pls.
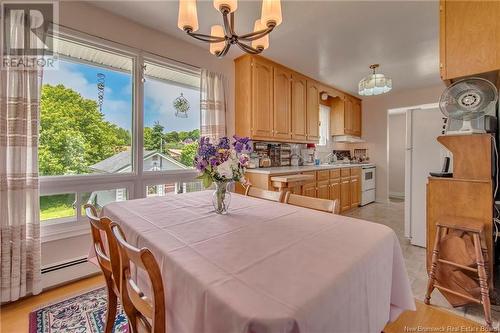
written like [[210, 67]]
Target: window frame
[[134, 182]]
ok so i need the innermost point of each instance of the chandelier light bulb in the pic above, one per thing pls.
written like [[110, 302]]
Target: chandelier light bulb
[[218, 31], [263, 42], [232, 5], [188, 16], [271, 12]]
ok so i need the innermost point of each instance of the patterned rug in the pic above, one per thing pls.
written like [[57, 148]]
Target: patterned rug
[[84, 313]]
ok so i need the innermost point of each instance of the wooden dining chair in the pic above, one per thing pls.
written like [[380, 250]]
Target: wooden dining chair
[[256, 192], [144, 313], [105, 259], [324, 205]]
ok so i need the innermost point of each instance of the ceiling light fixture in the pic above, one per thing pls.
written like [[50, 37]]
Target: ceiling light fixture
[[222, 37], [374, 84]]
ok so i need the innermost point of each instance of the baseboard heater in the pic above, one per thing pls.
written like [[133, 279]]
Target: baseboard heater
[[63, 265], [66, 271]]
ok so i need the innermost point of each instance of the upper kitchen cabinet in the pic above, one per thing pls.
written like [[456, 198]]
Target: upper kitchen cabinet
[[313, 91], [274, 102], [345, 116], [299, 105], [282, 103], [469, 38]]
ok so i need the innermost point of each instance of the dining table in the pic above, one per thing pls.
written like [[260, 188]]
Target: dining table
[[266, 267]]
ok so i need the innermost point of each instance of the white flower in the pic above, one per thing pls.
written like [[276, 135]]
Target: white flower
[[226, 169]]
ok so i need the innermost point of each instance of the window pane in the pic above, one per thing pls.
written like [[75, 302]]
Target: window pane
[[171, 118], [101, 198], [324, 127], [57, 206], [86, 113], [173, 188]]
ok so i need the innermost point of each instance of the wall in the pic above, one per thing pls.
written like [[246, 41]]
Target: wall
[[397, 151], [375, 126], [76, 15]]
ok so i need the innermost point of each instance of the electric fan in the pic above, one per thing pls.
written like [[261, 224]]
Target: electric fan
[[467, 100]]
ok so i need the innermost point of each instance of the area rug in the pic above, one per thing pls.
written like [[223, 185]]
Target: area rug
[[84, 313]]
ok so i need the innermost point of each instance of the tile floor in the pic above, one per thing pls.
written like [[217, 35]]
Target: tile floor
[[392, 215]]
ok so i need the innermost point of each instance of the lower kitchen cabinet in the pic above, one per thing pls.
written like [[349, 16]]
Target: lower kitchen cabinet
[[323, 189], [309, 190], [342, 184], [335, 190], [345, 194]]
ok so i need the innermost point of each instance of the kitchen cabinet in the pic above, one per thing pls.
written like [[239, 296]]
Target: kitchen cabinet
[[262, 99], [355, 184], [323, 189], [282, 103], [274, 103], [342, 184], [469, 38], [299, 104], [313, 91], [309, 190], [345, 117]]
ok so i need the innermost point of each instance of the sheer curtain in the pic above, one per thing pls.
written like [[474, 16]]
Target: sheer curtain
[[213, 105], [20, 255]]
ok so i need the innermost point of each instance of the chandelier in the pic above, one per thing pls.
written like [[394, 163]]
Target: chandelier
[[374, 84], [222, 37]]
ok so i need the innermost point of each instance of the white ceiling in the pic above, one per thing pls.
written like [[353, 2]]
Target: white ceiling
[[332, 41]]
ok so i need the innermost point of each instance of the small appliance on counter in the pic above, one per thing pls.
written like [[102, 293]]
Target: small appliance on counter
[[308, 154]]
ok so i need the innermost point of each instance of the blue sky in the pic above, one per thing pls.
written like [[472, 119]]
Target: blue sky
[[117, 106]]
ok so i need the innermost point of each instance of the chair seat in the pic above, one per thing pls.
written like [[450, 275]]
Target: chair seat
[[461, 223]]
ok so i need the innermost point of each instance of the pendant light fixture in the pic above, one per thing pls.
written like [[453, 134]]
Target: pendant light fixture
[[374, 84], [222, 37]]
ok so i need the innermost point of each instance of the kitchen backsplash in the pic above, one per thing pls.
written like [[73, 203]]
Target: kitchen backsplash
[[279, 154]]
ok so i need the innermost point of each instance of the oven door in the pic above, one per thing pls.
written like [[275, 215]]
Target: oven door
[[368, 179]]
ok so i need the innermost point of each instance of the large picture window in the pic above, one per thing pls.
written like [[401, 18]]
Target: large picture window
[[171, 117], [89, 151]]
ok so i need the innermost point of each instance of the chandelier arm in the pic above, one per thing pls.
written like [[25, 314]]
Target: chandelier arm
[[256, 34], [206, 38], [228, 24], [224, 50], [248, 48]]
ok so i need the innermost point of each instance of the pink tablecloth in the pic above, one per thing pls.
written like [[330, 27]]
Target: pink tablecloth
[[267, 267]]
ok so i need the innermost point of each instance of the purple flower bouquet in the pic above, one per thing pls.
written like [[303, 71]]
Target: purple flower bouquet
[[222, 163]]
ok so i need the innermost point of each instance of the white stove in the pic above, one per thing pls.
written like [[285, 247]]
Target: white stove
[[367, 184]]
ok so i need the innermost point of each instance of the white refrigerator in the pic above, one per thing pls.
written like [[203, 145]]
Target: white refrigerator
[[423, 155]]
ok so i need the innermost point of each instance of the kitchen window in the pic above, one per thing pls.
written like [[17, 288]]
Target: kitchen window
[[324, 125]]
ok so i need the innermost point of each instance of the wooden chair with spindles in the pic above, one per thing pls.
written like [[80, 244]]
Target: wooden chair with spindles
[[256, 192], [105, 259], [324, 205], [145, 314]]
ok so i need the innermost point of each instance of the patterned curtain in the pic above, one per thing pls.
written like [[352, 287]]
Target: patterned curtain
[[213, 105], [20, 255]]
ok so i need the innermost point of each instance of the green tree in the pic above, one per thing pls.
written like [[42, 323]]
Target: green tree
[[74, 133], [172, 137], [188, 153], [157, 136]]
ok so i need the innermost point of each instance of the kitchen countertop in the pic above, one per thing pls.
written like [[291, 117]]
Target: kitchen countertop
[[297, 169]]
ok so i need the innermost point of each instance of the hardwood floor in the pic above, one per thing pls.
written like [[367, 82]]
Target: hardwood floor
[[14, 317]]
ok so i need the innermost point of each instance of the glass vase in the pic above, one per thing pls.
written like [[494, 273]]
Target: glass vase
[[221, 197]]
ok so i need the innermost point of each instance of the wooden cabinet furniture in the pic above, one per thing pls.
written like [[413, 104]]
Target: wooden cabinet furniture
[[312, 119], [468, 196], [345, 118], [299, 105], [342, 184], [282, 103], [275, 103], [469, 38], [262, 98]]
